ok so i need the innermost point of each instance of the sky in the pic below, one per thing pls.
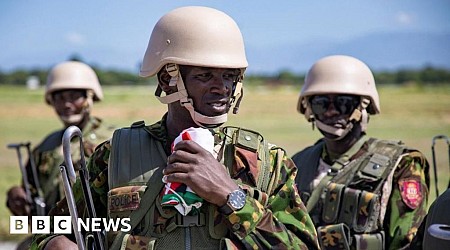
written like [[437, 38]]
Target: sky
[[114, 34]]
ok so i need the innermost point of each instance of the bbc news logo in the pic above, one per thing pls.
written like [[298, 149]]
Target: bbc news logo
[[63, 224]]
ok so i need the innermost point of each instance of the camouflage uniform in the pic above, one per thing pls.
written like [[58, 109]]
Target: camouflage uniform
[[398, 213], [48, 156], [282, 223]]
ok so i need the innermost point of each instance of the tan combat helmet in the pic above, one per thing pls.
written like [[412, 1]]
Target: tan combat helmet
[[72, 75], [196, 36], [340, 74]]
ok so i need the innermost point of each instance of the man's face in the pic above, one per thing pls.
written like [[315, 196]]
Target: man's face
[[210, 88], [333, 110], [69, 102]]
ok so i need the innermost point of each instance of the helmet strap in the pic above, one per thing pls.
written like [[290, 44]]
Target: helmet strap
[[89, 102], [238, 94], [359, 115], [182, 96]]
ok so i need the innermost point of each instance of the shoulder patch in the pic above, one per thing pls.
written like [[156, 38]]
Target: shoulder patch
[[411, 192]]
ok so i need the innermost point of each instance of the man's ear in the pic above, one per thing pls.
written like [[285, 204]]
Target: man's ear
[[163, 81]]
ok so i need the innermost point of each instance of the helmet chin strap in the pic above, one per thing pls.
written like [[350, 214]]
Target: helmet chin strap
[[358, 116], [182, 96]]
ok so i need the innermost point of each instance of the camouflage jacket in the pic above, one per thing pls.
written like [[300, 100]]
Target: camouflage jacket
[[406, 189], [48, 156], [282, 223]]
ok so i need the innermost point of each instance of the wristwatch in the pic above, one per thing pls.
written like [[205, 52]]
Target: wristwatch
[[235, 202]]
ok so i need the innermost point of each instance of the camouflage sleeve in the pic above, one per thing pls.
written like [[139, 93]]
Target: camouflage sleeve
[[97, 168], [408, 203], [283, 222]]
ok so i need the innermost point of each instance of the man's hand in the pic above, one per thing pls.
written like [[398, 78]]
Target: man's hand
[[197, 168], [17, 202]]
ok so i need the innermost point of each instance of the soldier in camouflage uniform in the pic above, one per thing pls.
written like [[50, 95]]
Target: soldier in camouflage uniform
[[248, 185], [361, 192], [71, 89]]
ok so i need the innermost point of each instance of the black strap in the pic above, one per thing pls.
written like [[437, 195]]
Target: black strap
[[148, 198]]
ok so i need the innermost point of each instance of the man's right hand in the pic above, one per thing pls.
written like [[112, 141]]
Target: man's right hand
[[17, 202]]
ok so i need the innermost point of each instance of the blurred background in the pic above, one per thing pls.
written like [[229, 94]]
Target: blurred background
[[405, 43]]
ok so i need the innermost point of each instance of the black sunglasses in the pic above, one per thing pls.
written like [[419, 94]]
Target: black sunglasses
[[345, 104]]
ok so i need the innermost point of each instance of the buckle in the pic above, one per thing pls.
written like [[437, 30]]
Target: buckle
[[172, 69], [190, 220]]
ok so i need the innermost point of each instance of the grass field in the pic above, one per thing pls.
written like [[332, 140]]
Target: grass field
[[413, 114]]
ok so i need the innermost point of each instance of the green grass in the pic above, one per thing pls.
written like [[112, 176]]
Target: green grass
[[413, 114]]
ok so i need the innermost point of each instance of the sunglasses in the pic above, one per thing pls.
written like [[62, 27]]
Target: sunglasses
[[344, 104]]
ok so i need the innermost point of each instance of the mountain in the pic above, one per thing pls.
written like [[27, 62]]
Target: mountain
[[381, 51]]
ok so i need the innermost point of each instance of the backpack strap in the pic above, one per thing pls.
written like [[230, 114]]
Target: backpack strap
[[134, 155], [130, 148], [147, 201], [255, 145]]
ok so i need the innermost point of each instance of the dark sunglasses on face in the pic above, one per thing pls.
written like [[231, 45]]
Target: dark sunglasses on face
[[344, 104]]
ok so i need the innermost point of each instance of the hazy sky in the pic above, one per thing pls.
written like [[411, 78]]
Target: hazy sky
[[114, 34]]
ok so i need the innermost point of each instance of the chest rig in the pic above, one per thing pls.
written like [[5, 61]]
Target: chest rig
[[135, 171], [349, 204]]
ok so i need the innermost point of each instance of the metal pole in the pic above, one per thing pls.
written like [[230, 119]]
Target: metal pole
[[71, 132], [72, 207], [439, 231], [438, 137]]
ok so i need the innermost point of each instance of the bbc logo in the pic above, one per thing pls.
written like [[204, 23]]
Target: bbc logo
[[63, 224], [40, 225]]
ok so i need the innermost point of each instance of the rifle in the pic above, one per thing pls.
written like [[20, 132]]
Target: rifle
[[69, 178], [37, 200]]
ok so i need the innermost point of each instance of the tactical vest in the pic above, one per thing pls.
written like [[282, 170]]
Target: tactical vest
[[349, 204], [48, 155], [137, 158]]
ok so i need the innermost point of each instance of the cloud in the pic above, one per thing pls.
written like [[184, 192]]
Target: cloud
[[75, 38], [404, 18]]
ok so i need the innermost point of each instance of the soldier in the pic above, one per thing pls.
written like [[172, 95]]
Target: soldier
[[247, 185], [71, 89], [361, 192]]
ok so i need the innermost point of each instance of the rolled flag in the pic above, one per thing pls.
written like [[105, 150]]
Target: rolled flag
[[179, 195]]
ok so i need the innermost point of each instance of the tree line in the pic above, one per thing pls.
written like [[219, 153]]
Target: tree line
[[426, 75]]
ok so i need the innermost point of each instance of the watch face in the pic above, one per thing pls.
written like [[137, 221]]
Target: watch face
[[237, 199]]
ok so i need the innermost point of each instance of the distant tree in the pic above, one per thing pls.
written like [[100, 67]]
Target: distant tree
[[427, 75], [431, 75]]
